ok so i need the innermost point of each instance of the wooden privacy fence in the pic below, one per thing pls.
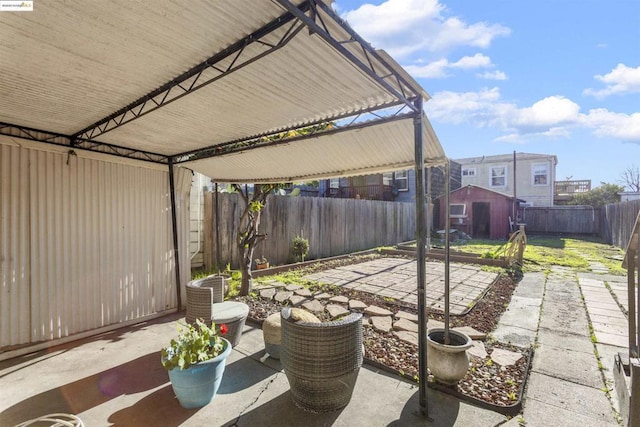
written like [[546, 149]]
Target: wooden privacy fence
[[332, 226], [562, 219], [617, 222]]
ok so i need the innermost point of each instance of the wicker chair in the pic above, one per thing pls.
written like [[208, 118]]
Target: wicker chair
[[205, 301], [321, 360]]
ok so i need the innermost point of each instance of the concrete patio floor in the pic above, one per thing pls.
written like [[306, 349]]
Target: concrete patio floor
[[116, 379]]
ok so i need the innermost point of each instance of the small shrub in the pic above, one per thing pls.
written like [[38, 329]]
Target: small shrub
[[300, 248]]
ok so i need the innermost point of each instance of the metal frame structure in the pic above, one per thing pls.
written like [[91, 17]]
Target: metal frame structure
[[408, 96]]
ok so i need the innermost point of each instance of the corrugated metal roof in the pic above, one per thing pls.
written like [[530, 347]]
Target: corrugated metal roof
[[361, 151], [68, 65]]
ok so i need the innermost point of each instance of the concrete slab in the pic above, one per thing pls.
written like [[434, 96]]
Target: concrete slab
[[567, 317], [610, 339], [560, 339], [541, 414], [522, 316], [116, 379], [548, 398], [515, 335], [572, 366], [607, 353]]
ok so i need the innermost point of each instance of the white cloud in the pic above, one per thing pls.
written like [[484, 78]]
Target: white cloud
[[439, 68], [492, 75], [620, 81], [405, 27], [552, 117], [617, 125]]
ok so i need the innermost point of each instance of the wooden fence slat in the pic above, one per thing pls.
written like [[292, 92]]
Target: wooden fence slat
[[332, 226]]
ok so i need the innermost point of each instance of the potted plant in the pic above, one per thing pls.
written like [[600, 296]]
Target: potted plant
[[195, 361], [447, 357], [262, 263]]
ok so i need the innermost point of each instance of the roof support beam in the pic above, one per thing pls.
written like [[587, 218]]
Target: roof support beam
[[220, 65], [367, 67], [68, 141]]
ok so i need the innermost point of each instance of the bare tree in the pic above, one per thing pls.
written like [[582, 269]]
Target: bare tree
[[630, 178], [248, 235]]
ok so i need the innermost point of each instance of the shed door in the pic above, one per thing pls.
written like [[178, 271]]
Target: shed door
[[481, 219]]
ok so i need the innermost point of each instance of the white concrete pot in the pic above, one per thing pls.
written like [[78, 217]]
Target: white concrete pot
[[448, 363]]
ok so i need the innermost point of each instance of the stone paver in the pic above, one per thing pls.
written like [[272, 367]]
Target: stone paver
[[381, 323], [268, 293], [478, 350], [339, 299], [374, 310], [471, 333], [282, 296], [336, 310], [314, 306], [296, 300], [407, 336], [505, 357], [303, 292], [409, 316], [357, 305], [405, 325]]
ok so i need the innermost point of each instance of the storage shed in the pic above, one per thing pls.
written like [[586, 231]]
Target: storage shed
[[479, 212]]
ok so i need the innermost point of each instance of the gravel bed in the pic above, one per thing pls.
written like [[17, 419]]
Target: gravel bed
[[486, 381]]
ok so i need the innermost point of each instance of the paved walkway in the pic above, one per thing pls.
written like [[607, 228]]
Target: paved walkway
[[553, 313], [397, 278]]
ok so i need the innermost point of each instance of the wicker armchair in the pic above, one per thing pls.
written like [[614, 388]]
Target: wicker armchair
[[205, 301], [321, 360]]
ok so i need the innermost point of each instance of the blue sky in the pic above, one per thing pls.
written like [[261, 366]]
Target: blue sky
[[544, 76]]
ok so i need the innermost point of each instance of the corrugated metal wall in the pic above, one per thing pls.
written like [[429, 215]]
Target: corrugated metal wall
[[85, 241]]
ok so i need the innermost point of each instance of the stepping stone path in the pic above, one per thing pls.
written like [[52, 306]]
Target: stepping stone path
[[402, 324]]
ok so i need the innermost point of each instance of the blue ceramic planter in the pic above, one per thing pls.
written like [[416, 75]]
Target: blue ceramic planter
[[197, 385]]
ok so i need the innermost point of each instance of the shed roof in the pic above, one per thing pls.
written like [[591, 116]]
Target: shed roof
[[207, 84], [507, 196]]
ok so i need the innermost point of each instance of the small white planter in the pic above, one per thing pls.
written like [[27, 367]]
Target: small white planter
[[448, 363]]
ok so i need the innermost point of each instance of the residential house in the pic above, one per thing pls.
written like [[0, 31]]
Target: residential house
[[399, 186], [627, 196], [526, 176]]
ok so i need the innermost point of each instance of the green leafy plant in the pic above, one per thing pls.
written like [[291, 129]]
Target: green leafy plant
[[194, 344], [261, 260], [300, 247]]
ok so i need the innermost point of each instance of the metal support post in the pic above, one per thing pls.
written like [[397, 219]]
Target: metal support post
[[420, 259], [174, 223]]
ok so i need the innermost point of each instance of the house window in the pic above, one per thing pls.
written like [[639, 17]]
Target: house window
[[540, 174], [457, 210], [334, 183], [401, 180], [469, 172], [498, 176], [387, 178]]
